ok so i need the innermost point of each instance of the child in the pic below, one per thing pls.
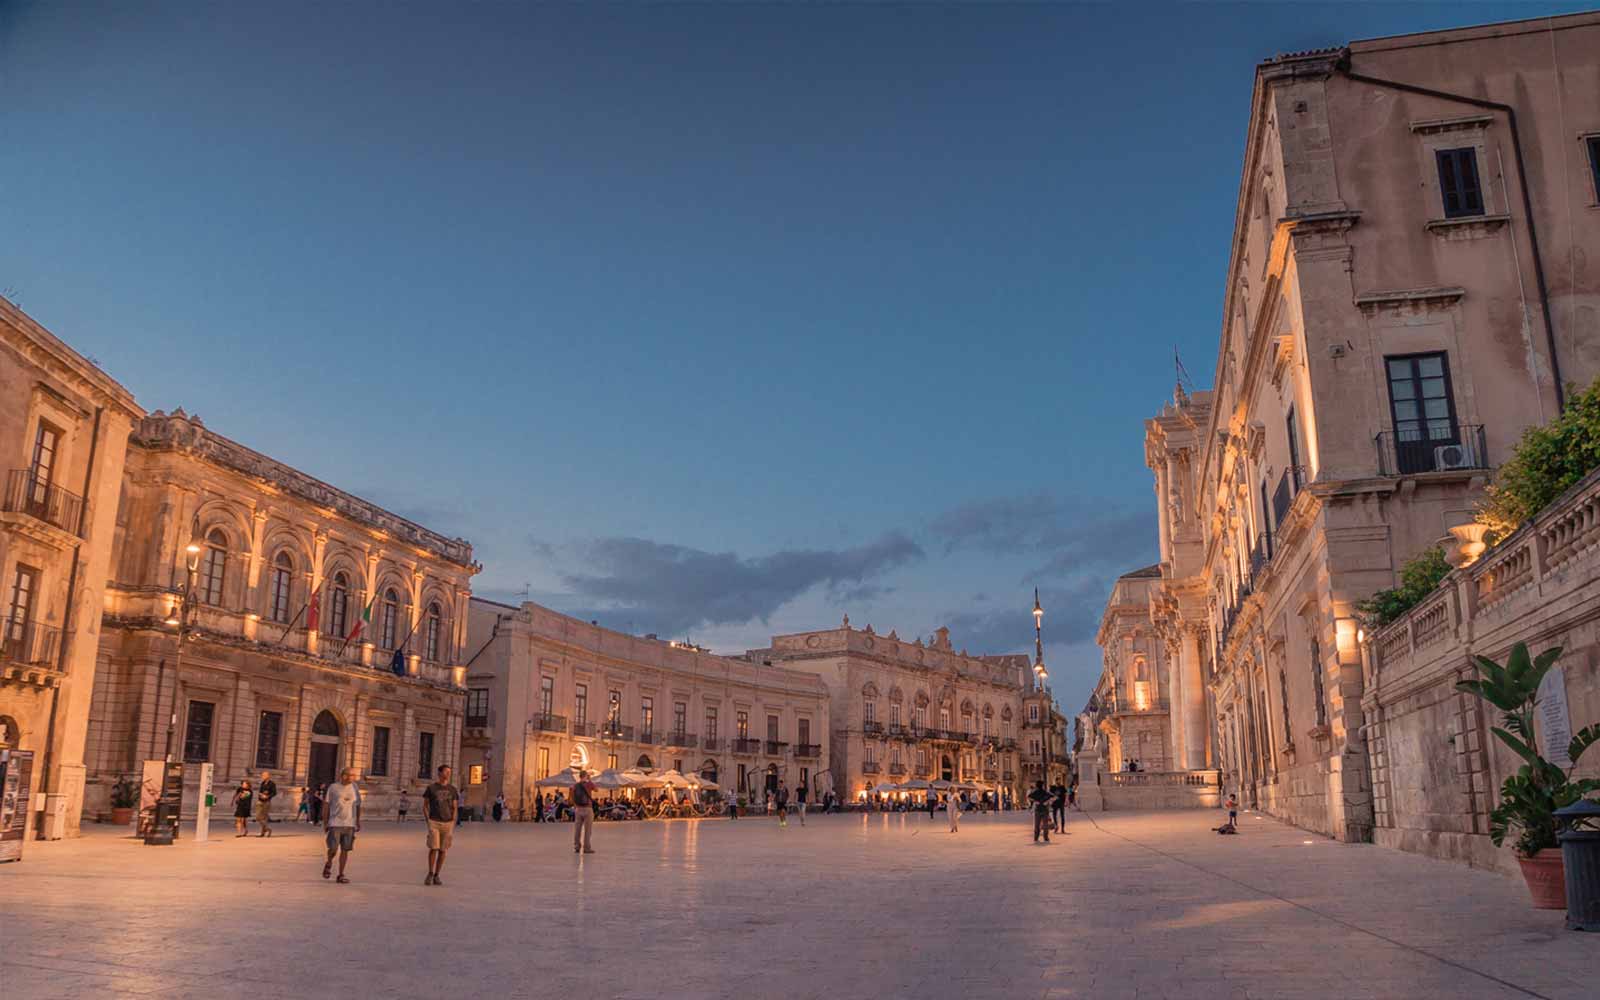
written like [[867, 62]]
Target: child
[[1232, 826]]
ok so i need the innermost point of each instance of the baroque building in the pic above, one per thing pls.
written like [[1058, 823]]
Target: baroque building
[[903, 710], [546, 691], [1404, 298], [64, 428], [1133, 697], [324, 632]]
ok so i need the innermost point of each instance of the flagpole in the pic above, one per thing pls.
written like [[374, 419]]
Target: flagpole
[[361, 623], [296, 619]]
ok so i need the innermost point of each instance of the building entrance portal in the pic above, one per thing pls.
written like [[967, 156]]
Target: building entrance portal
[[947, 769], [324, 750]]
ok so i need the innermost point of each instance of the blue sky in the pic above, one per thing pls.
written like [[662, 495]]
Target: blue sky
[[710, 320]]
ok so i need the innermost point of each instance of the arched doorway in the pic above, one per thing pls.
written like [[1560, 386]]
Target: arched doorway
[[324, 749], [947, 769], [772, 779], [10, 733], [708, 770], [644, 763]]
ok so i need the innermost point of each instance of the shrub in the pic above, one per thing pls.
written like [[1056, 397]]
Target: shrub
[[1418, 578], [1547, 461]]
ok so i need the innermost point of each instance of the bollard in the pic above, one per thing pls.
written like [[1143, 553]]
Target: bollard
[[1580, 853]]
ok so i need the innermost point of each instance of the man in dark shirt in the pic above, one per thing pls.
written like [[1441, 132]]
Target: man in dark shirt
[[265, 793], [582, 813], [1058, 806], [1041, 811], [439, 805]]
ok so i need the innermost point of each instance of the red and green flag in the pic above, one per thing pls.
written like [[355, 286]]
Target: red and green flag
[[362, 622]]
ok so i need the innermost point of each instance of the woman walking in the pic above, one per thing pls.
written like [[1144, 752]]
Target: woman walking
[[953, 807], [241, 809]]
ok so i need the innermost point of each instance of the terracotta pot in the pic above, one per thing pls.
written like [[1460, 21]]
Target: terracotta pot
[[121, 816], [1546, 876]]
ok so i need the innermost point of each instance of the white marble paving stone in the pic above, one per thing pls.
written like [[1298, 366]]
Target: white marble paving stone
[[1135, 905]]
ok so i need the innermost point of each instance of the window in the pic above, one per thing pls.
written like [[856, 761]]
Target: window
[[803, 731], [269, 738], [870, 754], [966, 720], [1422, 407], [24, 585], [1283, 698], [1593, 145], [338, 605], [431, 634], [1319, 698], [580, 704], [611, 761], [389, 619], [919, 716], [282, 579], [424, 755], [742, 783], [711, 724], [1033, 712], [380, 753], [544, 762], [1033, 747], [647, 716], [1005, 728], [478, 707], [197, 732], [475, 774], [922, 758], [680, 717], [41, 471], [677, 764], [869, 711], [215, 567], [742, 723], [1458, 182], [944, 719], [547, 695]]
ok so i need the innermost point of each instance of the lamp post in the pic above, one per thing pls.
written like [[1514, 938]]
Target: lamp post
[[163, 823], [1040, 676], [182, 616]]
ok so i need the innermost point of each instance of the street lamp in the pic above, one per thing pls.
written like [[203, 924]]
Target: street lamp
[[181, 615], [1040, 675], [162, 827]]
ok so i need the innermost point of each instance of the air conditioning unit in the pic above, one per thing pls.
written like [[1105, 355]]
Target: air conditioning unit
[[1454, 456]]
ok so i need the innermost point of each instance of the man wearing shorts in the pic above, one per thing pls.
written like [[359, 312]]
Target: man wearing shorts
[[341, 818], [265, 792], [439, 805]]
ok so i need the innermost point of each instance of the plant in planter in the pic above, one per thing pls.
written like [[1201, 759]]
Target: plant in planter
[[1529, 799], [741, 804], [124, 796]]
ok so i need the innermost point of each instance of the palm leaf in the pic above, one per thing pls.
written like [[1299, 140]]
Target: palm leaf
[[1522, 749], [1583, 740]]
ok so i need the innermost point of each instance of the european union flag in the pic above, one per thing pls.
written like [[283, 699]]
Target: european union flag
[[398, 664]]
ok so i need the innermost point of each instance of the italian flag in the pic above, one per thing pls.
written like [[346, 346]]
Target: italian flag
[[361, 622]]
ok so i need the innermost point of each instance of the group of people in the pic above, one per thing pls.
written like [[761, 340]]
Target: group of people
[[256, 801], [1050, 808], [341, 821]]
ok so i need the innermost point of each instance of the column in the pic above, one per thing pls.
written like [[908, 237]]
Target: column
[[1175, 692], [1193, 709]]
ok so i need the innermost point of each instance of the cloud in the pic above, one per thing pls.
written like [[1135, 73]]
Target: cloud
[[1069, 535], [671, 589], [1071, 615]]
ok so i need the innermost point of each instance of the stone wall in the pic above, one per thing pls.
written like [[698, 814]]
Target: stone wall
[[1436, 769]]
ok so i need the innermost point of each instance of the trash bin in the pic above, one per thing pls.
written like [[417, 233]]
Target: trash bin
[[1580, 853]]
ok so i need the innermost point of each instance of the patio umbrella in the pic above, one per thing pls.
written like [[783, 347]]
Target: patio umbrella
[[612, 779], [884, 787], [939, 784], [638, 779], [561, 779], [675, 779], [704, 784], [916, 785]]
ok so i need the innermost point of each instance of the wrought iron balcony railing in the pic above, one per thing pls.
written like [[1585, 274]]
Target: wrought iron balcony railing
[[776, 747], [679, 738], [869, 767], [646, 737], [29, 643], [28, 493], [550, 723], [806, 750], [581, 728], [616, 731], [712, 743], [872, 728], [744, 745], [1432, 446]]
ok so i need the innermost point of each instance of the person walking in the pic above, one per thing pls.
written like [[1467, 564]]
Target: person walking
[[800, 797], [241, 809], [341, 821], [1058, 807], [1041, 811], [404, 806], [933, 804], [953, 807], [265, 793], [304, 813], [781, 803], [1072, 794], [582, 814], [499, 806], [440, 804]]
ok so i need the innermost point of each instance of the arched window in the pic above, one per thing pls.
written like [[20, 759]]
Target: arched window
[[391, 618], [643, 763], [708, 770], [431, 643], [339, 604], [214, 568], [325, 724], [282, 578]]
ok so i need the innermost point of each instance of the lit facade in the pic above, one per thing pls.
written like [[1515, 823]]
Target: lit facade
[[1398, 310], [546, 690], [1134, 695], [904, 710], [64, 428], [257, 689]]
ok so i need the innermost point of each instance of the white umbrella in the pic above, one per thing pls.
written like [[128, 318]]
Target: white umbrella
[[561, 779], [638, 779], [917, 785], [939, 784], [884, 787], [704, 784], [611, 779], [675, 779]]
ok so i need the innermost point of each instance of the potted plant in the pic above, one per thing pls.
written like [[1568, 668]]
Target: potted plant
[[741, 804], [124, 797], [1529, 799]]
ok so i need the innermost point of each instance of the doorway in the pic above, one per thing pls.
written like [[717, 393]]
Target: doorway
[[324, 750], [947, 769]]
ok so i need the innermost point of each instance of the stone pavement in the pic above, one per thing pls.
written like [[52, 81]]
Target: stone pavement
[[1133, 905]]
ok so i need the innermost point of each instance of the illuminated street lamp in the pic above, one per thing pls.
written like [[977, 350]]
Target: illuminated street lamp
[[181, 615], [162, 826], [1040, 675]]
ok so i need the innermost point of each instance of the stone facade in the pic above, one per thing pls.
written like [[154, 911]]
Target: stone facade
[[903, 710], [257, 689], [64, 428], [547, 690], [1436, 768], [1132, 702], [1404, 299]]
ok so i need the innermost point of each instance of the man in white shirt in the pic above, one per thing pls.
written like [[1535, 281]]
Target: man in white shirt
[[341, 818]]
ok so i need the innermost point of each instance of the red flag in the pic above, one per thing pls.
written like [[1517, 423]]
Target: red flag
[[313, 610]]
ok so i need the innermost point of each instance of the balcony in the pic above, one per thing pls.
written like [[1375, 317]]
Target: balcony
[[616, 731], [990, 774], [872, 728], [897, 770], [29, 644], [712, 743], [646, 738], [744, 745], [550, 723], [30, 496], [1260, 553], [583, 729], [1150, 706], [679, 738], [1289, 486], [1009, 743], [776, 748], [869, 767], [1439, 446], [807, 751], [900, 733], [1008, 775], [477, 722]]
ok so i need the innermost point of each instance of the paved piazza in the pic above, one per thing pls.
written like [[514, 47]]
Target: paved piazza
[[1128, 905]]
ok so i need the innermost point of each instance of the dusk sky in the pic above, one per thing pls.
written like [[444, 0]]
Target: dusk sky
[[714, 321]]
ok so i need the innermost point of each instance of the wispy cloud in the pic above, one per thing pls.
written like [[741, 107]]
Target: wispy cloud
[[671, 589], [1072, 614], [1067, 536]]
